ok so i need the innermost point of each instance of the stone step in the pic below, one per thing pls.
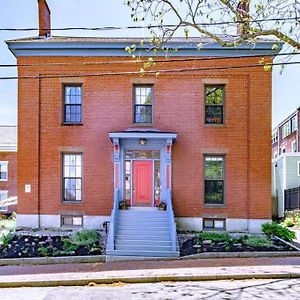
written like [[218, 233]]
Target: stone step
[[141, 237], [143, 242], [143, 231], [141, 247], [143, 253]]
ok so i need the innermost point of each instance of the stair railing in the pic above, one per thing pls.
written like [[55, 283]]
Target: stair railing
[[112, 223], [171, 219]]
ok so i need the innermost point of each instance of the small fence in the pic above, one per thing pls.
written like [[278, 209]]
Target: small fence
[[292, 199]]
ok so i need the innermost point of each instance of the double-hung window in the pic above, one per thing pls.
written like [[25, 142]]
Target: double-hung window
[[286, 129], [72, 104], [72, 177], [214, 180], [214, 104], [3, 170], [294, 123], [143, 101]]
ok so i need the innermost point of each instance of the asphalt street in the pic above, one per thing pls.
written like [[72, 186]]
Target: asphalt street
[[239, 289]]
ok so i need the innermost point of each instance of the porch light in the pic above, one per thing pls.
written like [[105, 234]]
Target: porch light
[[142, 141]]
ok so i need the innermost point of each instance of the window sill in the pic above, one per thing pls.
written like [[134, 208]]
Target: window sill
[[72, 124], [3, 180], [72, 202], [214, 125], [142, 124], [215, 206]]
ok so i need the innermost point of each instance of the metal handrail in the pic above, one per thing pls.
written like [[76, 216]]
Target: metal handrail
[[171, 219], [113, 218]]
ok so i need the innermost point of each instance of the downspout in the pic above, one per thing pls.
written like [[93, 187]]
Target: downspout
[[39, 152], [248, 155]]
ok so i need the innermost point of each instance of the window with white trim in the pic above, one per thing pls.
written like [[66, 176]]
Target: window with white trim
[[72, 177], [143, 101], [294, 146], [294, 123], [298, 168], [274, 136], [286, 129], [3, 170], [214, 179], [3, 196], [275, 154]]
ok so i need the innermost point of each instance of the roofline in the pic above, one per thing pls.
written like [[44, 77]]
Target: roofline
[[143, 134], [286, 154], [286, 119], [48, 47], [9, 148]]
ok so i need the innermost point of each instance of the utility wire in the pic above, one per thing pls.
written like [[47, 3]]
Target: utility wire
[[169, 60], [155, 72], [108, 28]]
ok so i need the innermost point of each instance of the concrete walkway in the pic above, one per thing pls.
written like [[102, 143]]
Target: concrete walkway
[[150, 271]]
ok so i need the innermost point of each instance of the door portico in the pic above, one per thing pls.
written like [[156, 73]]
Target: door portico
[[142, 166]]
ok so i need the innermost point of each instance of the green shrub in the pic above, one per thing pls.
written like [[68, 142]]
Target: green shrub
[[214, 237], [256, 241], [43, 251], [289, 222], [85, 238], [278, 230]]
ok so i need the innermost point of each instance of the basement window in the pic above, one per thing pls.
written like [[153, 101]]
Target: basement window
[[74, 221], [214, 224], [3, 196]]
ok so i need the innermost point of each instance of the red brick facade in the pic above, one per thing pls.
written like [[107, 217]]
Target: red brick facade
[[178, 106], [289, 143]]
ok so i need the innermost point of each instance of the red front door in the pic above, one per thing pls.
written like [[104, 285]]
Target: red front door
[[142, 183]]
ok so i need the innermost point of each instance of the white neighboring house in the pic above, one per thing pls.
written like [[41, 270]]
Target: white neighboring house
[[8, 168], [285, 175]]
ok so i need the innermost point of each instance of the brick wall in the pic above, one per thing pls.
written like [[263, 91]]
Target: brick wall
[[178, 106]]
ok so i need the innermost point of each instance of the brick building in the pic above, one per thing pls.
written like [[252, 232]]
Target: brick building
[[8, 166], [94, 132], [285, 136]]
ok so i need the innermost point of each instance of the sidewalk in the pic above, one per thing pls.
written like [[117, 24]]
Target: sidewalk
[[149, 271]]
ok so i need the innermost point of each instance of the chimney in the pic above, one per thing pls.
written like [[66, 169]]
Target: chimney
[[44, 19], [243, 25]]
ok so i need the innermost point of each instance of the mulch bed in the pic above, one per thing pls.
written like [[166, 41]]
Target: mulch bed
[[187, 242], [41, 246]]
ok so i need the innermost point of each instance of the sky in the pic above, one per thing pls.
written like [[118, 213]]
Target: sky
[[99, 13]]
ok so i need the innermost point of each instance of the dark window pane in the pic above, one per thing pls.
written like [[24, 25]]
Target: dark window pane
[[213, 192], [214, 114]]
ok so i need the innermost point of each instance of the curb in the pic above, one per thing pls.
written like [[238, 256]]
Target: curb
[[103, 258], [52, 260], [241, 255], [145, 279]]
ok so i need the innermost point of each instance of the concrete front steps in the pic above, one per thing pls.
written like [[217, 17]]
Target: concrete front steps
[[142, 233]]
